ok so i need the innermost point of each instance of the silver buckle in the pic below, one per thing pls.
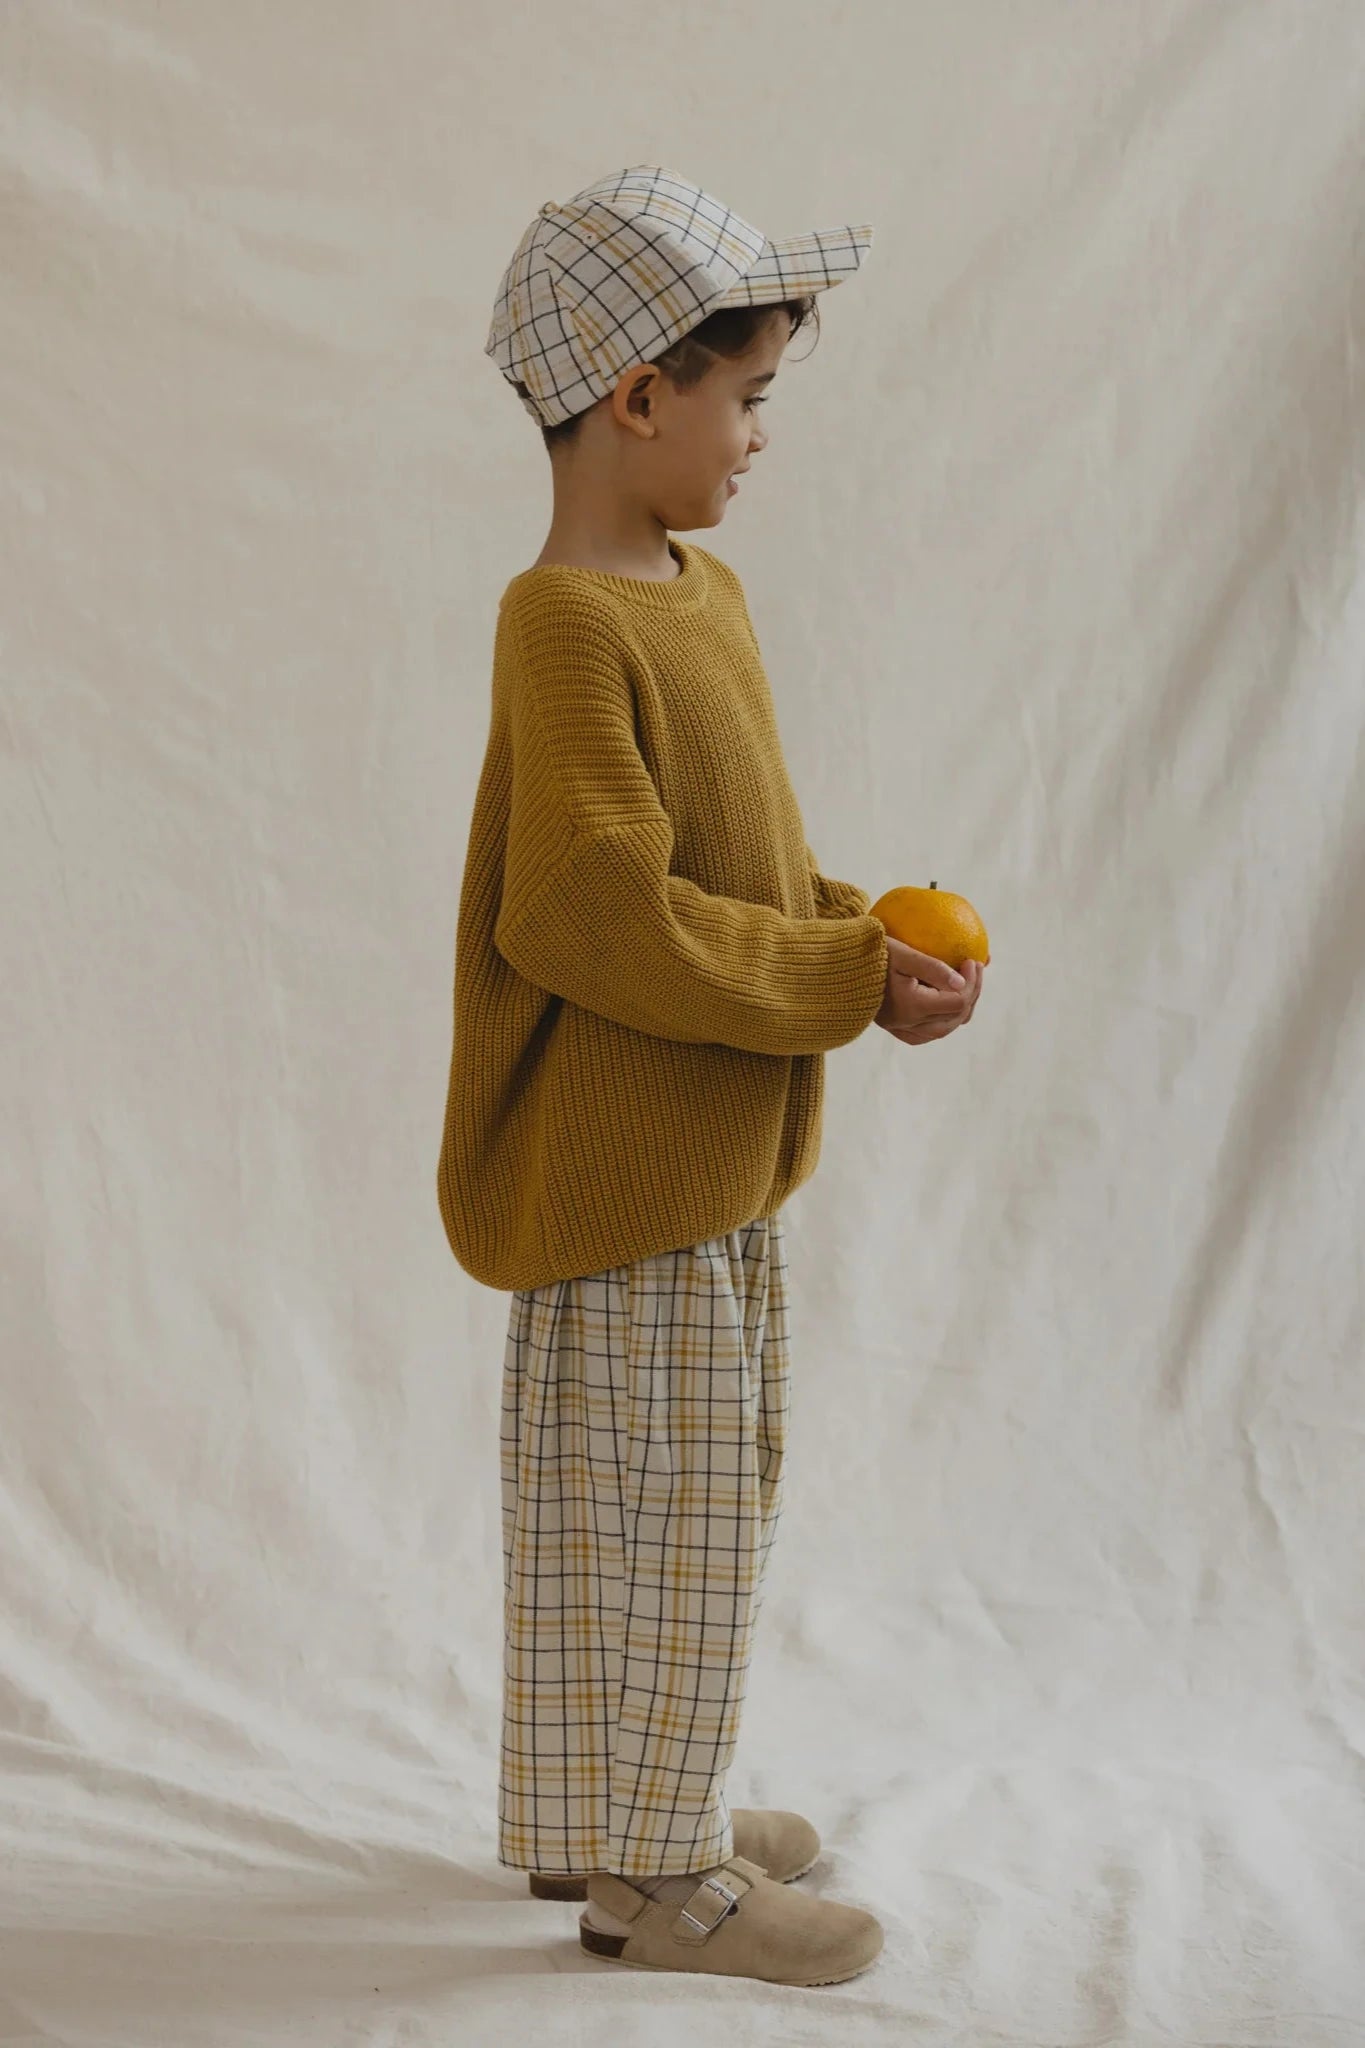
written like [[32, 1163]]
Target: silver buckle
[[731, 1904]]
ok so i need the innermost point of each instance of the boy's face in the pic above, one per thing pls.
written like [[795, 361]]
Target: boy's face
[[686, 445]]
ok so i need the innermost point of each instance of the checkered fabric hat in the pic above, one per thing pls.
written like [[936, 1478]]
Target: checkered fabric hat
[[625, 268]]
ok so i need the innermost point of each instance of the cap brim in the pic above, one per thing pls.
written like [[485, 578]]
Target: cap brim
[[803, 263]]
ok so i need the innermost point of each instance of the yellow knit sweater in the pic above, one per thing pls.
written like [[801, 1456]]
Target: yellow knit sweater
[[649, 967]]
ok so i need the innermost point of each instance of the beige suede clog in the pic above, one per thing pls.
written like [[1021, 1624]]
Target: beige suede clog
[[738, 1922]]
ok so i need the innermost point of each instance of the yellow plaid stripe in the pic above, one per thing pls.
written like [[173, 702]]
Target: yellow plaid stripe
[[643, 1432]]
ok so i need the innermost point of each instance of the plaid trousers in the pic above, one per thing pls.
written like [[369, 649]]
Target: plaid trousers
[[643, 1431]]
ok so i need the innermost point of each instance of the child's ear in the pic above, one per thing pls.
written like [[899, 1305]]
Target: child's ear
[[635, 396]]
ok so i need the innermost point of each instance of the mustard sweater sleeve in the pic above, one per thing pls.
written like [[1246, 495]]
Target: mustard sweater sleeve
[[589, 909], [836, 899]]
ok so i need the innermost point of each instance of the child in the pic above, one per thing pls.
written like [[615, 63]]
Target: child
[[649, 970]]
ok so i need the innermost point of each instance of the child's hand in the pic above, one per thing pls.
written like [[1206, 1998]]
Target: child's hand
[[921, 1002]]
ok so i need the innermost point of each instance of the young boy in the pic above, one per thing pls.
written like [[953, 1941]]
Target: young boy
[[649, 970]]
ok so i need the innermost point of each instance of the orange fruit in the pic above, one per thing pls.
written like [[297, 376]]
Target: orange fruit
[[935, 921]]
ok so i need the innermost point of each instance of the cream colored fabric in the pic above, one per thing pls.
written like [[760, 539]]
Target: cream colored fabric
[[1055, 558]]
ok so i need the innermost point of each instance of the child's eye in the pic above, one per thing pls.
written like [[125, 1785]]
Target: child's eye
[[754, 401]]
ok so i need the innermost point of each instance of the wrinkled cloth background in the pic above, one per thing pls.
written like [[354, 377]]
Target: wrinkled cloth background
[[1055, 558]]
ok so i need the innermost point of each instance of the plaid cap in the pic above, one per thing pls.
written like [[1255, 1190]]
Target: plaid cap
[[625, 268]]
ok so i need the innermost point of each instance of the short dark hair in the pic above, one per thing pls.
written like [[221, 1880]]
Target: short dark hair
[[730, 332]]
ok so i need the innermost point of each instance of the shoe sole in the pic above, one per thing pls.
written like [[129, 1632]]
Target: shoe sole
[[608, 1947], [574, 1887]]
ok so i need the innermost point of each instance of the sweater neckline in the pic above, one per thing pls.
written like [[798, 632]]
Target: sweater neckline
[[681, 593]]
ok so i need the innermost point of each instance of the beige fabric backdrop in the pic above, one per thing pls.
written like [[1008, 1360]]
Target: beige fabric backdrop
[[1055, 560]]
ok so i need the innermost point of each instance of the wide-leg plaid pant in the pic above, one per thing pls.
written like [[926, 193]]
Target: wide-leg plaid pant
[[644, 1425]]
